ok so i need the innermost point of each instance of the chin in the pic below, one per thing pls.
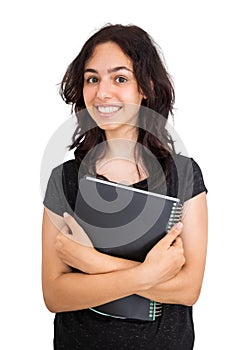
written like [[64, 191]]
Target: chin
[[110, 126]]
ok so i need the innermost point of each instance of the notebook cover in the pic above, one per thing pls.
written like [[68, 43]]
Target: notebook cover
[[125, 222], [122, 221]]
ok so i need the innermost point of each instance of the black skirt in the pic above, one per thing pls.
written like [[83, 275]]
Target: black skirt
[[85, 329]]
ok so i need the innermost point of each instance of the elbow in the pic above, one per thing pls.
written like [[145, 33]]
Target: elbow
[[191, 297], [50, 303], [50, 308], [190, 301], [51, 299], [54, 303], [48, 296], [54, 306], [56, 300]]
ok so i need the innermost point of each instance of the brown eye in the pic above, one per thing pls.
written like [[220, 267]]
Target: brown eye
[[121, 80], [92, 80]]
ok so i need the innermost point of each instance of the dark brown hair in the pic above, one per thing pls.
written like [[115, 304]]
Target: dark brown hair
[[152, 79]]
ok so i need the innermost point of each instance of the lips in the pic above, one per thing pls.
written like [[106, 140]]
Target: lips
[[107, 110]]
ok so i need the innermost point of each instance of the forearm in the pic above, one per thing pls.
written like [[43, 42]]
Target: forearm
[[106, 263], [87, 259], [75, 291], [181, 289], [178, 290], [91, 261]]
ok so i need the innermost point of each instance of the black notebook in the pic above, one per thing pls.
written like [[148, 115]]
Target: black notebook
[[126, 222]]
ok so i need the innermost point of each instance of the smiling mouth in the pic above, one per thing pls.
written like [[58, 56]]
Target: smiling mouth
[[107, 110]]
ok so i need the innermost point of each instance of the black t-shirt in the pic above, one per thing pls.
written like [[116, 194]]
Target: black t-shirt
[[85, 329]]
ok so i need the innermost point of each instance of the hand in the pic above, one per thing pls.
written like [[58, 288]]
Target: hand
[[76, 249], [164, 260], [77, 232]]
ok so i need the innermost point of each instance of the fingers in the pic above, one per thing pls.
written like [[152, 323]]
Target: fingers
[[173, 234], [178, 243], [66, 230], [78, 234], [71, 222], [61, 239]]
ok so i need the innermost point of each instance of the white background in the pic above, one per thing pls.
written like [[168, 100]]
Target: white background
[[38, 40]]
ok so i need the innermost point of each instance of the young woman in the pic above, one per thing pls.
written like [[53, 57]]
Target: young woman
[[122, 97]]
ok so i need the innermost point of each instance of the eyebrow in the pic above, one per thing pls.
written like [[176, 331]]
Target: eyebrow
[[112, 70]]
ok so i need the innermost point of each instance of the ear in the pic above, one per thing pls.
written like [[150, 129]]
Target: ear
[[142, 93], [152, 89]]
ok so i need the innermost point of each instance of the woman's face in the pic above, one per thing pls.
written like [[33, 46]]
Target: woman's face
[[110, 89]]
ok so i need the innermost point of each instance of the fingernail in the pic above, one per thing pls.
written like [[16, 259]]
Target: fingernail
[[179, 225], [65, 214]]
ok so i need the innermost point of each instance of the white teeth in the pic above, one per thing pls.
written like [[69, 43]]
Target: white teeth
[[109, 109]]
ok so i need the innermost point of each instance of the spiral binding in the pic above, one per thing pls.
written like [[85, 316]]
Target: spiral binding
[[155, 310], [176, 214]]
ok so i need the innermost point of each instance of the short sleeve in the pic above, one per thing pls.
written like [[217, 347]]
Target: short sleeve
[[198, 181], [54, 198], [186, 179], [62, 188], [191, 180]]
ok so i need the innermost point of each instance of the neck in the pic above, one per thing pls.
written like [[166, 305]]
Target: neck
[[121, 148], [120, 131], [121, 142]]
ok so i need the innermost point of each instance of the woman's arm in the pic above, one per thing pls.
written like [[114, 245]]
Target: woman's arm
[[185, 287], [77, 251], [66, 291]]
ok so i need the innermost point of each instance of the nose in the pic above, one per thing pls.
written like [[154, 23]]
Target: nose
[[104, 90]]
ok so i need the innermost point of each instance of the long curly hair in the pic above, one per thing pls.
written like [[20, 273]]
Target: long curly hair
[[152, 78]]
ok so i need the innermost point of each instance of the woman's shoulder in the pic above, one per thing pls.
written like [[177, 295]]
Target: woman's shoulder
[[62, 187], [67, 174], [184, 161], [69, 165], [187, 175], [66, 171], [186, 165]]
